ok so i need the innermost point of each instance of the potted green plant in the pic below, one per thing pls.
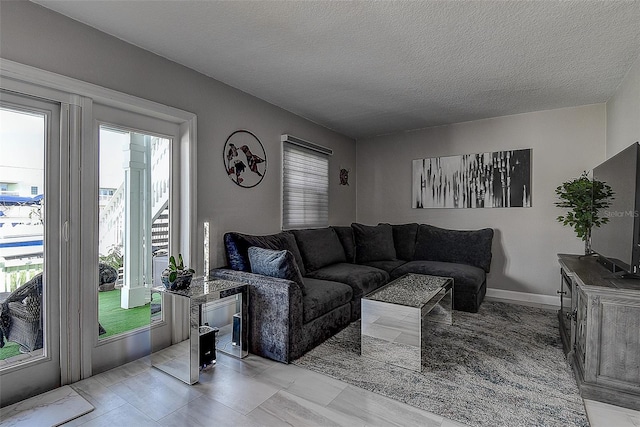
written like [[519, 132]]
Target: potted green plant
[[177, 276], [113, 257], [584, 197]]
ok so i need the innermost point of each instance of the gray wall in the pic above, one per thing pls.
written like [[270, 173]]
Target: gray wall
[[565, 142], [623, 113], [36, 36]]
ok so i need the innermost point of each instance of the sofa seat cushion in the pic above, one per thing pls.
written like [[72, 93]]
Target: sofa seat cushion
[[319, 247], [466, 278], [387, 266], [373, 243], [237, 247], [471, 247], [322, 296], [362, 279]]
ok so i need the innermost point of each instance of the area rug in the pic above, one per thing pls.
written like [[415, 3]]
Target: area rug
[[502, 366]]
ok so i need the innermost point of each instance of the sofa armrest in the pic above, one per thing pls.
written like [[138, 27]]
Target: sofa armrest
[[275, 313]]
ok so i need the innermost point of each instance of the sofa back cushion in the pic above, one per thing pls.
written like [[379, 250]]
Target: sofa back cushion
[[319, 247], [463, 247], [237, 246], [345, 234], [272, 263], [373, 243], [404, 240]]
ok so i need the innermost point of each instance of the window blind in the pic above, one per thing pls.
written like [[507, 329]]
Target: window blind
[[305, 188]]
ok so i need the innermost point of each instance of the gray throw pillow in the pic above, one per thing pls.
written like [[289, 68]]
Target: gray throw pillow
[[404, 239], [373, 243], [319, 247], [272, 263], [237, 245], [345, 234]]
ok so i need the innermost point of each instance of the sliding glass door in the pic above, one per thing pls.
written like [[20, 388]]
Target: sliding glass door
[[135, 213], [32, 252]]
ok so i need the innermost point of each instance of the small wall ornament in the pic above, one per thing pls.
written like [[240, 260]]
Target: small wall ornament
[[344, 176], [244, 159]]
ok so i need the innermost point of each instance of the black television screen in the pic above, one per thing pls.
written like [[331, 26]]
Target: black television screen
[[618, 240]]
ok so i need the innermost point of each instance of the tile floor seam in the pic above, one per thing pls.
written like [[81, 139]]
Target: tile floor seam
[[227, 406], [242, 412]]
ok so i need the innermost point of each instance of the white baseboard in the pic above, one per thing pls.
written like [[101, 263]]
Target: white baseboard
[[524, 297]]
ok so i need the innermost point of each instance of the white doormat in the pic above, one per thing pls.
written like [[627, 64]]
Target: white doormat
[[52, 408]]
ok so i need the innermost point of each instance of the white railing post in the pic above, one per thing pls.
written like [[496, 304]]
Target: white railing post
[[159, 176], [133, 291]]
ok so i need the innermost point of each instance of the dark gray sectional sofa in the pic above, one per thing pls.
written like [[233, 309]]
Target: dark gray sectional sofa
[[337, 266]]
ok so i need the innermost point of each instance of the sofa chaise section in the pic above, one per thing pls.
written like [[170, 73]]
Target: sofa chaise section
[[463, 255], [469, 282]]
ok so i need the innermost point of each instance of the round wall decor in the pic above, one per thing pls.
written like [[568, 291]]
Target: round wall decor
[[244, 159]]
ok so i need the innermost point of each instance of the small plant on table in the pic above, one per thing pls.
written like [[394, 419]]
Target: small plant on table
[[177, 276]]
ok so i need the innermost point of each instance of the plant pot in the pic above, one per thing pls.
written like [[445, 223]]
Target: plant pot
[[181, 282], [587, 243]]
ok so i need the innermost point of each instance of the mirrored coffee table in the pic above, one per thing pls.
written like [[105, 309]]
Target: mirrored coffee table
[[398, 318]]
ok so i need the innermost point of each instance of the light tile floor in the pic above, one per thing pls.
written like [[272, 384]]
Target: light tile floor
[[250, 392], [602, 414], [256, 391]]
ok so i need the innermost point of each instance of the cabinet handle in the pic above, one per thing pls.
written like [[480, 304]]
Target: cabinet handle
[[561, 292]]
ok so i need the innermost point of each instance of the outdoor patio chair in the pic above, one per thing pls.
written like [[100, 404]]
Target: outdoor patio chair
[[20, 312], [20, 316], [107, 278]]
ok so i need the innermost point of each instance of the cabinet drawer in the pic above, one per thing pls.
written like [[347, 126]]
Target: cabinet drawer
[[619, 342]]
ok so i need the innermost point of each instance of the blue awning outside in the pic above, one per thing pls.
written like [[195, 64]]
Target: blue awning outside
[[20, 200], [21, 244]]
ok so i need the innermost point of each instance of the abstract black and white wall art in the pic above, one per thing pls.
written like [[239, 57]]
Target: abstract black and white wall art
[[485, 180]]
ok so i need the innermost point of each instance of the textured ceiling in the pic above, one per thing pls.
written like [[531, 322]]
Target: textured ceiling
[[371, 68]]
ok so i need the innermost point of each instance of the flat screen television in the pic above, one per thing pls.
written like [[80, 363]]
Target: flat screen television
[[617, 242]]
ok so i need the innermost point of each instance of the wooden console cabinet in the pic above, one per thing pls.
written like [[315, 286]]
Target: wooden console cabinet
[[600, 330]]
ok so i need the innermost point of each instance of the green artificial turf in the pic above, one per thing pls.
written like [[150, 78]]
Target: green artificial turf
[[114, 320], [10, 349]]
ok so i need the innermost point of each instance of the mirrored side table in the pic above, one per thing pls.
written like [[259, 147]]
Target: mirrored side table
[[181, 359]]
